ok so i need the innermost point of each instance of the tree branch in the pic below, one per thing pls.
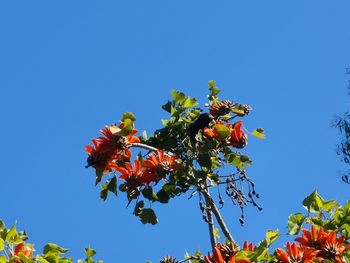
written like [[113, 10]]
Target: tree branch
[[210, 221], [218, 217], [144, 146]]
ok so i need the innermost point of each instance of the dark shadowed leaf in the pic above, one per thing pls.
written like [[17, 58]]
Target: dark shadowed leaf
[[148, 216], [138, 208]]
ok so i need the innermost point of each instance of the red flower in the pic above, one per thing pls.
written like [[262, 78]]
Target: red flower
[[296, 253], [24, 249], [212, 133], [313, 238], [136, 176], [248, 246], [223, 253], [333, 247], [109, 148], [238, 138], [161, 162]]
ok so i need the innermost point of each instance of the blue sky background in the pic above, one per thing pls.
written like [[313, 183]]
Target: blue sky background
[[67, 68]]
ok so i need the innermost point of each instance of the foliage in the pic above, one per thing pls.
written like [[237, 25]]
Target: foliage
[[343, 125], [326, 239], [15, 249], [193, 152]]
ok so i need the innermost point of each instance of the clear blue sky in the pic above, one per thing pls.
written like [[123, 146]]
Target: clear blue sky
[[67, 68]]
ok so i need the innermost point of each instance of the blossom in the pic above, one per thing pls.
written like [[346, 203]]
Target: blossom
[[135, 176], [238, 138], [333, 247], [161, 162], [248, 246], [109, 148], [212, 133], [225, 253], [295, 254], [312, 238], [24, 249]]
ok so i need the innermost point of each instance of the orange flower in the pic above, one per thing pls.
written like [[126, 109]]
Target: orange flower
[[109, 148], [332, 247], [313, 238], [24, 249], [212, 133], [223, 253], [161, 162], [238, 138], [136, 176], [295, 253]]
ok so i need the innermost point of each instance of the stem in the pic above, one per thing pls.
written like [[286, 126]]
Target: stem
[[218, 217], [210, 221], [144, 146]]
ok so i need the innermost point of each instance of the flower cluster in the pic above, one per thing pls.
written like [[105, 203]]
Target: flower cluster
[[227, 253], [315, 245], [110, 148], [21, 249], [150, 170], [233, 134]]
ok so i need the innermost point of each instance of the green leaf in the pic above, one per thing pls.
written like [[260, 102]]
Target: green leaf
[[314, 203], [69, 260], [2, 244], [271, 236], [24, 259], [42, 259], [99, 173], [204, 160], [104, 194], [127, 128], [169, 188], [12, 235], [211, 83], [167, 107], [3, 259], [128, 115], [163, 196], [178, 96], [216, 233], [263, 255], [144, 137], [214, 91], [2, 225], [328, 205], [190, 102], [223, 131], [259, 133], [295, 222], [165, 122], [54, 249], [90, 252], [148, 216], [148, 193], [112, 185]]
